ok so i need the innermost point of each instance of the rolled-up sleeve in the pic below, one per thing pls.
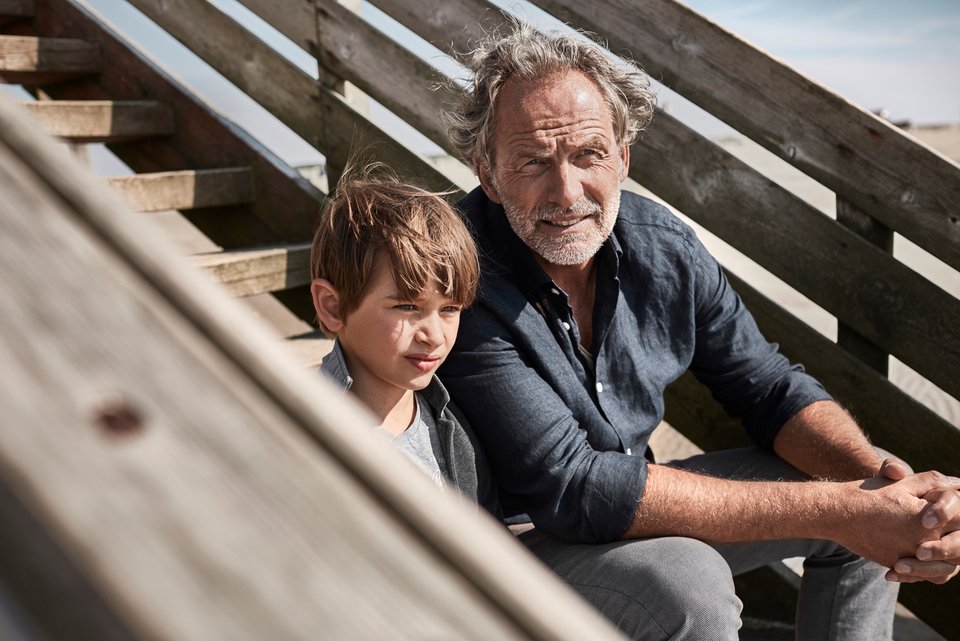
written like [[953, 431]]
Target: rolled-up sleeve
[[746, 374]]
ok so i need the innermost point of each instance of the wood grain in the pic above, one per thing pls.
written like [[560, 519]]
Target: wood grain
[[26, 60], [162, 191], [102, 120], [870, 291], [257, 271]]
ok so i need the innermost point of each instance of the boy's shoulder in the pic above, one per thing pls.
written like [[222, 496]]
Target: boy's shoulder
[[334, 366]]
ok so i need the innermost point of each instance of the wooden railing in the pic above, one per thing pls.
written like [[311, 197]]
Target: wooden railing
[[883, 179]]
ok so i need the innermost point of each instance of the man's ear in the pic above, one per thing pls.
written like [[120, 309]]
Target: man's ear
[[326, 302], [483, 173], [624, 161]]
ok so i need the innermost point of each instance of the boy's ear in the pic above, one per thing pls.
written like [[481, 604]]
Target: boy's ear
[[326, 302], [483, 173]]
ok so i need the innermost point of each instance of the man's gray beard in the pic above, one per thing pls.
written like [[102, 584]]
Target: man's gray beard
[[575, 250]]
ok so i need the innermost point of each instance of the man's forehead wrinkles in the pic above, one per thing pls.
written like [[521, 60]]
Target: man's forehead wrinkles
[[590, 128]]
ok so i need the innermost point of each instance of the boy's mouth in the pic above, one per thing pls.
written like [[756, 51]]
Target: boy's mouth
[[423, 362]]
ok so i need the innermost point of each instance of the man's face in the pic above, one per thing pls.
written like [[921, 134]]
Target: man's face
[[557, 166]]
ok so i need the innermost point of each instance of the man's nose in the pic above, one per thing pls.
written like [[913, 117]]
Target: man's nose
[[565, 188]]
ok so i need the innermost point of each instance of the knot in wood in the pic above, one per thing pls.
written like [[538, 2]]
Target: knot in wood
[[116, 417]]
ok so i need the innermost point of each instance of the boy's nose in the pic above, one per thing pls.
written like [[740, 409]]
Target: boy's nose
[[429, 331]]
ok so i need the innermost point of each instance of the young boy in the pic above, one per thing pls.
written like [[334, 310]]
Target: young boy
[[392, 266]]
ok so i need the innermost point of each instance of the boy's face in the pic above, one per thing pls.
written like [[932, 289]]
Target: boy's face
[[393, 345]]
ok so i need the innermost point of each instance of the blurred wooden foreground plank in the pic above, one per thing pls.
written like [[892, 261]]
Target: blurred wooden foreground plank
[[176, 475]]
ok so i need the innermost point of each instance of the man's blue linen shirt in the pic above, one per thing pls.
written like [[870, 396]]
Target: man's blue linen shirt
[[559, 425]]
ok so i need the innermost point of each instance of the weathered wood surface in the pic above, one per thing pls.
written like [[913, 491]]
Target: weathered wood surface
[[286, 205], [906, 185], [162, 191], [257, 271], [316, 113], [27, 60], [881, 298], [383, 69], [200, 485], [881, 236], [11, 10], [295, 19], [102, 120], [450, 26]]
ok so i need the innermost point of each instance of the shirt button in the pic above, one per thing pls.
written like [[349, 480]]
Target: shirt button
[[565, 325], [554, 291], [599, 387], [629, 453]]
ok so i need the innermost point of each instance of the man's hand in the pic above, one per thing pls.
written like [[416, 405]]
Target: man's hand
[[934, 561]]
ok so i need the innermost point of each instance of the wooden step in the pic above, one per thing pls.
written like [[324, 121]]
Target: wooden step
[[102, 120], [186, 189], [250, 272], [310, 348], [11, 10], [25, 60]]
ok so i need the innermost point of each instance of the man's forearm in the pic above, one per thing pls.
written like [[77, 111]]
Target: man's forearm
[[823, 441], [876, 519]]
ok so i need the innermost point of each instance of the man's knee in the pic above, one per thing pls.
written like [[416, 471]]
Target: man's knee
[[670, 588]]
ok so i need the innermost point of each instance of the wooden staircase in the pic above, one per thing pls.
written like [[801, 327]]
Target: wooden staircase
[[91, 86]]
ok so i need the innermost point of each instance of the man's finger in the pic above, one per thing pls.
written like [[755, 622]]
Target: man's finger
[[894, 469], [944, 508], [946, 549], [913, 570]]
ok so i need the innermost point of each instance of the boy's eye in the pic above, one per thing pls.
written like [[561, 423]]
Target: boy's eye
[[450, 309], [406, 307]]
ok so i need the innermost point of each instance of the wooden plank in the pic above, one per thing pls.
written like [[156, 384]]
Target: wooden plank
[[185, 461], [13, 10], [286, 205], [102, 120], [250, 272], [450, 26], [319, 115], [882, 299], [27, 60], [295, 19], [881, 236], [904, 184], [163, 191], [386, 71]]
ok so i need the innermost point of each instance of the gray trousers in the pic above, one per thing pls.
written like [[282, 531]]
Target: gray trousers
[[679, 588]]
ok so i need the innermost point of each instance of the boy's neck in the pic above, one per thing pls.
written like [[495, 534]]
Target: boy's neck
[[393, 413]]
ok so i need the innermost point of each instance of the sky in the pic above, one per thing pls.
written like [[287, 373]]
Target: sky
[[877, 54]]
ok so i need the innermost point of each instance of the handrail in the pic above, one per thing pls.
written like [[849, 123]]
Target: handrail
[[319, 115]]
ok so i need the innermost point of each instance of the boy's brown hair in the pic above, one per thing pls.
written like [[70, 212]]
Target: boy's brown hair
[[415, 230]]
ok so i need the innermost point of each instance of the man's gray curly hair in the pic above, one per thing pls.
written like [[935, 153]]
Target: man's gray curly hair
[[526, 53]]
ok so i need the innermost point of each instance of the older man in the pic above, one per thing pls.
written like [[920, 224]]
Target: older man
[[591, 302]]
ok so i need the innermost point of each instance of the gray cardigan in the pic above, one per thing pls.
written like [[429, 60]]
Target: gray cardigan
[[466, 465]]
